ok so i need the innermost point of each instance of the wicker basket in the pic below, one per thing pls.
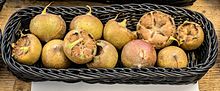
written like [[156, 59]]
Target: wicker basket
[[164, 2], [2, 2], [201, 60]]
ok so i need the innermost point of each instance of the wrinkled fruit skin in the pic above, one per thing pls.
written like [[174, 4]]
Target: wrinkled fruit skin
[[191, 34], [138, 54], [107, 56], [48, 26], [89, 23], [53, 55], [33, 49], [172, 57], [156, 28], [79, 46], [117, 35]]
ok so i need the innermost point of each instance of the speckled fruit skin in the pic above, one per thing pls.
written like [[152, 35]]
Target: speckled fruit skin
[[53, 55], [138, 54], [48, 26], [191, 35], [156, 28], [107, 57], [33, 52], [116, 34], [79, 46], [172, 57], [89, 23]]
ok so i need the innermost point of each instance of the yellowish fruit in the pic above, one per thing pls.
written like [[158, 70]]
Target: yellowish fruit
[[27, 49], [89, 23], [172, 57], [117, 33], [48, 26], [53, 55], [190, 35], [106, 56]]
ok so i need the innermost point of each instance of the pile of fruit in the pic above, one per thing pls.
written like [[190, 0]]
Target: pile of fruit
[[98, 46]]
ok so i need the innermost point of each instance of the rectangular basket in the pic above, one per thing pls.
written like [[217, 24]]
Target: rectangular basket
[[200, 60]]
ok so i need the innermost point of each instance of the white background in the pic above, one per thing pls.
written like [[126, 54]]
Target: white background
[[81, 86]]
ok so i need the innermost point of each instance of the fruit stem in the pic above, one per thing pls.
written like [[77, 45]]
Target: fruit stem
[[45, 9], [123, 23], [71, 45], [174, 39], [116, 16], [24, 49], [90, 10]]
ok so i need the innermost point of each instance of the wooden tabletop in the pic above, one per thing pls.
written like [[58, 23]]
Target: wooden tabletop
[[210, 8]]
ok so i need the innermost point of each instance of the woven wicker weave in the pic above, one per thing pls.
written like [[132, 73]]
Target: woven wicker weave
[[164, 2], [201, 60]]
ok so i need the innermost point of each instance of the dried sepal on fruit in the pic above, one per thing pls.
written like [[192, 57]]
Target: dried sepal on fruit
[[79, 46], [190, 35], [27, 49], [106, 56], [156, 28], [53, 55], [48, 26], [89, 23], [117, 34]]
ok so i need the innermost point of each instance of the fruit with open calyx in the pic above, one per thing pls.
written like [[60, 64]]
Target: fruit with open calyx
[[156, 28], [106, 56], [48, 26], [79, 46], [27, 49], [190, 35], [89, 23]]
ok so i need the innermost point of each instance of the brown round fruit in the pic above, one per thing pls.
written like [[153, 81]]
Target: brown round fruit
[[89, 23], [190, 35], [117, 33], [106, 56], [156, 28], [48, 26], [27, 49], [172, 57], [53, 55], [79, 46], [138, 53]]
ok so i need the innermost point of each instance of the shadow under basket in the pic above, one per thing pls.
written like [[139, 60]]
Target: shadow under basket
[[200, 60]]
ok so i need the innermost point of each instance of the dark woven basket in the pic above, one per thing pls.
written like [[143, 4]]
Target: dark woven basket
[[201, 60], [164, 2], [2, 2]]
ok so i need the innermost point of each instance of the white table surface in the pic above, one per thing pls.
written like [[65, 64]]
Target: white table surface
[[81, 86]]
